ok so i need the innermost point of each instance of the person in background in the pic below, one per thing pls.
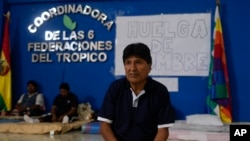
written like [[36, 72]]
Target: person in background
[[31, 103], [64, 107], [136, 107]]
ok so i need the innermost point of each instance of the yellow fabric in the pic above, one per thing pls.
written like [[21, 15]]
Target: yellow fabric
[[5, 89]]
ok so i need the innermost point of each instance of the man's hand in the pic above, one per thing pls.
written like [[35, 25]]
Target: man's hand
[[60, 118], [54, 119]]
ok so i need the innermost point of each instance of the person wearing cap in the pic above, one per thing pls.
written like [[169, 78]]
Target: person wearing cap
[[31, 103], [136, 107], [63, 110]]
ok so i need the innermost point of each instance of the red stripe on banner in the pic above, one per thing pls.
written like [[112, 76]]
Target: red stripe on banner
[[6, 41]]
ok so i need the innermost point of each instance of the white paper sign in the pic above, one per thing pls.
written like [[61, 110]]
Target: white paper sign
[[170, 83], [180, 43]]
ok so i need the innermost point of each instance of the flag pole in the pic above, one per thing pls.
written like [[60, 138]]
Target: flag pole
[[217, 2]]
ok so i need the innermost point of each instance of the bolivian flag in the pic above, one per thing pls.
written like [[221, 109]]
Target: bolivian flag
[[5, 69]]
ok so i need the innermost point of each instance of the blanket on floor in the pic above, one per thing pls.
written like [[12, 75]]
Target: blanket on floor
[[19, 126]]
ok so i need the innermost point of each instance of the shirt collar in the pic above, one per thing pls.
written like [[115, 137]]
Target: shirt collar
[[136, 97]]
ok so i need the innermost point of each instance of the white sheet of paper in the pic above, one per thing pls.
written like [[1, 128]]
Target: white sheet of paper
[[179, 43], [170, 83]]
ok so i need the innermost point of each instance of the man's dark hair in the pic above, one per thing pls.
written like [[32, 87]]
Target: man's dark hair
[[32, 82], [64, 86], [137, 49]]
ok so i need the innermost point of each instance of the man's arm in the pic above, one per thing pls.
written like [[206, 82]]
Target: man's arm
[[107, 132], [162, 134], [18, 106], [34, 107], [72, 111], [53, 113], [39, 103]]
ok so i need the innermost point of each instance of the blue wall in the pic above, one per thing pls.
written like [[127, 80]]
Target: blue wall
[[90, 80]]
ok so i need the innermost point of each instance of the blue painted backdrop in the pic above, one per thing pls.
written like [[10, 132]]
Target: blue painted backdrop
[[90, 80]]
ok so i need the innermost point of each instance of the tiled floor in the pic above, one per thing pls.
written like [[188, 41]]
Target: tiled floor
[[69, 136], [78, 136]]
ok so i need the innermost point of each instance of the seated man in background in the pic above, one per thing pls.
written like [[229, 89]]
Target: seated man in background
[[31, 103], [63, 109]]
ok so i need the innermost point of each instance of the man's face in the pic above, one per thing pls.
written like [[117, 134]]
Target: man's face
[[31, 88], [136, 69], [64, 92]]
